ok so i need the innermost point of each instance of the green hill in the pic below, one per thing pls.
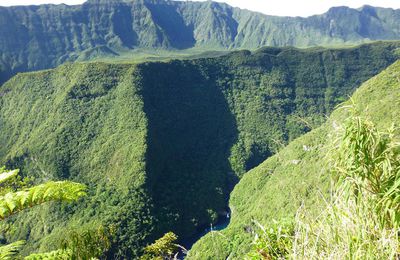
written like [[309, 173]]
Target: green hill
[[297, 175], [44, 36], [161, 144]]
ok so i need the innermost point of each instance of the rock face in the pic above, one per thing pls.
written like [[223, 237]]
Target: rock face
[[40, 37]]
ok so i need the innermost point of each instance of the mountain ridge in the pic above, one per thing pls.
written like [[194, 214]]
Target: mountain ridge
[[44, 36]]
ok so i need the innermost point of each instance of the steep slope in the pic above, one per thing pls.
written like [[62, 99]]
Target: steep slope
[[40, 37], [161, 144], [76, 123], [299, 174]]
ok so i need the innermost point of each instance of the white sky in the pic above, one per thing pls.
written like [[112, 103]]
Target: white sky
[[273, 7]]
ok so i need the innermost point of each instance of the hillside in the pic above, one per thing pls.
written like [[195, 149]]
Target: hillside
[[161, 144], [41, 37], [297, 175]]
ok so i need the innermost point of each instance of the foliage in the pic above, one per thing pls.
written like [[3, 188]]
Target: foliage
[[88, 243], [162, 248], [355, 223], [10, 251], [13, 202], [60, 254], [370, 163], [5, 176], [11, 181], [300, 174], [107, 152], [273, 242], [161, 144], [360, 220], [346, 228]]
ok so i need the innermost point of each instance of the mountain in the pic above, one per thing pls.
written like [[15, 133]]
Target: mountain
[[161, 144], [299, 175], [41, 37]]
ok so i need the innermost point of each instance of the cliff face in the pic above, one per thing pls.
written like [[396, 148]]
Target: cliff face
[[39, 37]]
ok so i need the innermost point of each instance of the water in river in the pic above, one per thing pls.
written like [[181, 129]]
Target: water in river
[[222, 223]]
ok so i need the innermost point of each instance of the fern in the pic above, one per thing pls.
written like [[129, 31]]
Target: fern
[[10, 251], [5, 176], [14, 202]]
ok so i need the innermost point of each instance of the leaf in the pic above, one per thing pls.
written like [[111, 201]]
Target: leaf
[[11, 250], [14, 202], [5, 176]]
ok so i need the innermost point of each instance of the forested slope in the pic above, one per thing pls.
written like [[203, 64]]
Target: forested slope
[[161, 144], [299, 175], [44, 36]]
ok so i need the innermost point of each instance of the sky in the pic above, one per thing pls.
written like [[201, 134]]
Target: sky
[[273, 7]]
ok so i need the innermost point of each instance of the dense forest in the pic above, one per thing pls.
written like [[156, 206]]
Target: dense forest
[[161, 144]]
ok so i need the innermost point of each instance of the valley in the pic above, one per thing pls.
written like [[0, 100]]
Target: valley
[[182, 116], [161, 144]]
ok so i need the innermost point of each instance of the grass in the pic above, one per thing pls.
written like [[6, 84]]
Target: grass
[[360, 221], [360, 218], [146, 55]]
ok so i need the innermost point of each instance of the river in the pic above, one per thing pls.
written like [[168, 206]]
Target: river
[[222, 223]]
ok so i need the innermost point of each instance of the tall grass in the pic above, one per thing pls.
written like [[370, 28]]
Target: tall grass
[[361, 217], [346, 229]]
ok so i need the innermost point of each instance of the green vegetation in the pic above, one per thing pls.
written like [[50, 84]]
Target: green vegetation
[[273, 242], [87, 243], [163, 248], [42, 37], [160, 117], [161, 144], [360, 220], [89, 130], [299, 177], [13, 202]]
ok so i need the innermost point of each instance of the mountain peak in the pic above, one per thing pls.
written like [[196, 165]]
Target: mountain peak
[[369, 10], [338, 9]]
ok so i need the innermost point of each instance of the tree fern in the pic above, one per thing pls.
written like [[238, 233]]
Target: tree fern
[[14, 202], [10, 251]]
